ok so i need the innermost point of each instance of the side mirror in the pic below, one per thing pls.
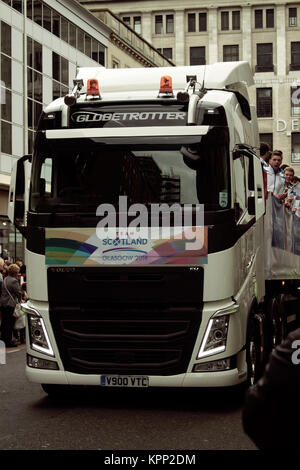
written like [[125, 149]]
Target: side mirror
[[256, 203], [18, 192]]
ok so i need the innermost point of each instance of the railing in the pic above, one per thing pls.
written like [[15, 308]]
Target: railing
[[133, 39]]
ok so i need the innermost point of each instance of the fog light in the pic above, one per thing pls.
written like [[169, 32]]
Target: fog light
[[38, 363], [215, 366]]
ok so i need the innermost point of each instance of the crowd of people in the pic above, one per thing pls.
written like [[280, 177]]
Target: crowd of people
[[281, 179], [12, 291]]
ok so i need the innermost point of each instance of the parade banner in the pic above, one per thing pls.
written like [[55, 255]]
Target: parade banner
[[86, 247], [282, 241]]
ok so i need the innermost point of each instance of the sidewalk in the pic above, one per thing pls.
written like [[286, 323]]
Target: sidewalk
[[15, 348]]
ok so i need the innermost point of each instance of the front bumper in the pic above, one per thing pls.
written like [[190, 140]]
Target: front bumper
[[201, 380]]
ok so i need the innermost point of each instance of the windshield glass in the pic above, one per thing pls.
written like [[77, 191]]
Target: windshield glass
[[77, 175]]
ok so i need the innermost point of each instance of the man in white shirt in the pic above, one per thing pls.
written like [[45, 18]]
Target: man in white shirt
[[275, 176]]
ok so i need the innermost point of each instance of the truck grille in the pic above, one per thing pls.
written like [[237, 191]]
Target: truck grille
[[148, 335]]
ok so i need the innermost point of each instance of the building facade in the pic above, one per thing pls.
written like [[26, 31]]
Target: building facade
[[266, 34], [42, 44]]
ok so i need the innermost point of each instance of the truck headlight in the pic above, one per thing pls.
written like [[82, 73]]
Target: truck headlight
[[38, 336], [215, 336]]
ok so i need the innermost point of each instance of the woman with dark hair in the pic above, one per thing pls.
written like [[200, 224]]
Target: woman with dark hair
[[11, 295]]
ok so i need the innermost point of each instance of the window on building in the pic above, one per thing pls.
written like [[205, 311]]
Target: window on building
[[170, 24], [230, 53], [236, 20], [34, 85], [202, 22], [292, 16], [64, 30], [60, 68], [267, 138], [137, 24], [115, 64], [224, 20], [29, 8], [37, 56], [72, 35], [295, 100], [191, 22], [47, 18], [167, 52], [88, 45], [295, 147], [270, 18], [6, 137], [158, 24], [17, 5], [258, 19], [6, 71], [56, 23], [37, 12], [5, 38], [80, 39], [197, 55], [295, 56], [5, 102], [264, 58], [126, 20], [264, 102]]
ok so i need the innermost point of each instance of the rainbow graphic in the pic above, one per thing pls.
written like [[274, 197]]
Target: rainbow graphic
[[83, 247]]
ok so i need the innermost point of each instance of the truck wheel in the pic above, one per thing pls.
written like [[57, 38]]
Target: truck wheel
[[254, 349]]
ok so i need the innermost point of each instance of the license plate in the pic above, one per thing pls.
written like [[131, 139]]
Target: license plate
[[139, 381]]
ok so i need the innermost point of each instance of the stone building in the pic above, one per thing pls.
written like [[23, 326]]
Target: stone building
[[266, 34]]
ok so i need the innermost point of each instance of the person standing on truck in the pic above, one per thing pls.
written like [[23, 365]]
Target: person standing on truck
[[265, 153], [275, 176], [272, 407]]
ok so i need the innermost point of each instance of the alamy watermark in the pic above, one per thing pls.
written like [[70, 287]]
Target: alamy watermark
[[296, 95], [155, 222], [2, 353], [296, 354], [2, 92]]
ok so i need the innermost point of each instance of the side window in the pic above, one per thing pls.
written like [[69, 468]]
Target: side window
[[46, 178], [240, 169]]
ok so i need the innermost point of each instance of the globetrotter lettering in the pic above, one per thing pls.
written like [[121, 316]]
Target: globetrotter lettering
[[146, 116]]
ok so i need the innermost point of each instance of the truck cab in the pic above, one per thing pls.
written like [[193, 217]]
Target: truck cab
[[143, 220]]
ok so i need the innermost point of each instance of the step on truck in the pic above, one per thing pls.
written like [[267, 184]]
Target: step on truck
[[143, 210]]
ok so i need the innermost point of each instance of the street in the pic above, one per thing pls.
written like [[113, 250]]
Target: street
[[116, 419]]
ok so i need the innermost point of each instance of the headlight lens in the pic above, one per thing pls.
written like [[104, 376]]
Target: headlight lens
[[39, 340], [215, 337]]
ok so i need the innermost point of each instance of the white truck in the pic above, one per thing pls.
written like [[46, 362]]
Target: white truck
[[112, 304]]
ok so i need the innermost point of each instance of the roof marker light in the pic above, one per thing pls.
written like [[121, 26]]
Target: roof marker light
[[166, 85], [92, 88]]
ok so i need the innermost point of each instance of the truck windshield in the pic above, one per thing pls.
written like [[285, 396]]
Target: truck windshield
[[79, 174]]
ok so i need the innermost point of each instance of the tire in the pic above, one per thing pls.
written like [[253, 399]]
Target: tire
[[255, 349]]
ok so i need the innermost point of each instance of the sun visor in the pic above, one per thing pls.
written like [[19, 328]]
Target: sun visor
[[126, 132]]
